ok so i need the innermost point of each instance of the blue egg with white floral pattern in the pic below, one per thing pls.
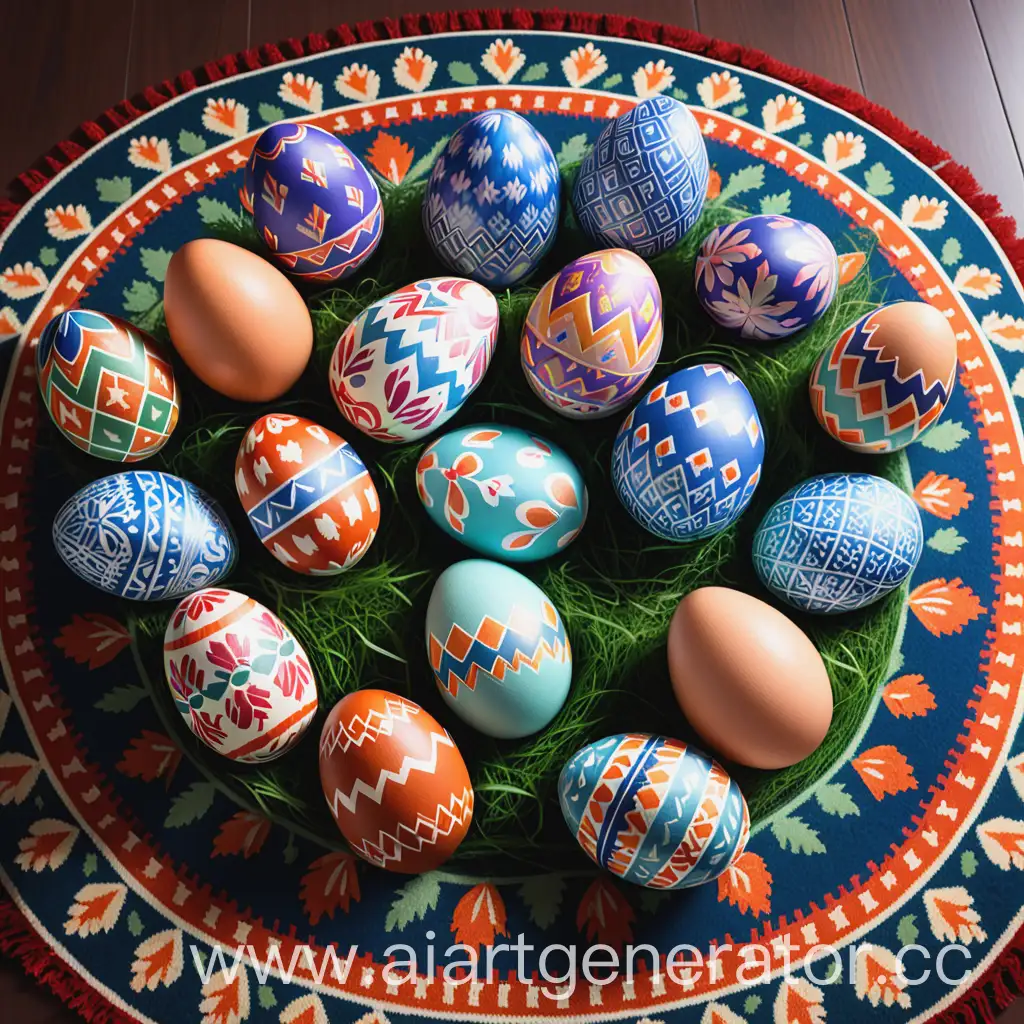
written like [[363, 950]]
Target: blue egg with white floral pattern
[[492, 202], [503, 492], [838, 542], [312, 201], [688, 458], [766, 277]]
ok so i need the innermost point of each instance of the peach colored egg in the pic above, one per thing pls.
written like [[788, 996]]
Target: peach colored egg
[[395, 782], [236, 320], [748, 679]]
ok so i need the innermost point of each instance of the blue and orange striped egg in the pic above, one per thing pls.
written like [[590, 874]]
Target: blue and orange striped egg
[[653, 810], [312, 201]]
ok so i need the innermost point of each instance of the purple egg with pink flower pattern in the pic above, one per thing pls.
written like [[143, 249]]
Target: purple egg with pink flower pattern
[[766, 277]]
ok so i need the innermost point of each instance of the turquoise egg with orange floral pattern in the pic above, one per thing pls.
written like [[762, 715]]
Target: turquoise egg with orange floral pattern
[[503, 492]]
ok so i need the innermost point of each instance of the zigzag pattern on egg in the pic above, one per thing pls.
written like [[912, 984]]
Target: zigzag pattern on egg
[[497, 648]]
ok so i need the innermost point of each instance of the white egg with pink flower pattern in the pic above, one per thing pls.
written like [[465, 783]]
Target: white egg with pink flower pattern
[[238, 676]]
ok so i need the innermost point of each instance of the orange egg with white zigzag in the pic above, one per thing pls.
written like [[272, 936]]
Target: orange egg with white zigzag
[[395, 782]]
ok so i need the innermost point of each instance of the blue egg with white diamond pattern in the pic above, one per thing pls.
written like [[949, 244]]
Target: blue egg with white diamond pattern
[[145, 535], [492, 202], [643, 185], [653, 810], [312, 201], [838, 542], [688, 458]]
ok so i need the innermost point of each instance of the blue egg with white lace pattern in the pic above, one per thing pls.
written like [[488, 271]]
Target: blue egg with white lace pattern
[[492, 202]]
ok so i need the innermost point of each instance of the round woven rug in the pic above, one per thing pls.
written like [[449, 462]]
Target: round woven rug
[[131, 868]]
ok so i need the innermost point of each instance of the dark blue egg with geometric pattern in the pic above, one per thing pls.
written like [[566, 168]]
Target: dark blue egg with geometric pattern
[[688, 458], [766, 277], [838, 542], [492, 202], [643, 184], [313, 202]]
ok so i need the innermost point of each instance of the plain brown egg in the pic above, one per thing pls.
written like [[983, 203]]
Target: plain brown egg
[[748, 680], [237, 321]]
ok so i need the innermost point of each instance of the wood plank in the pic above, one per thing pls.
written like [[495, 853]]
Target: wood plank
[[809, 34], [925, 61], [165, 43], [1002, 28], [63, 65]]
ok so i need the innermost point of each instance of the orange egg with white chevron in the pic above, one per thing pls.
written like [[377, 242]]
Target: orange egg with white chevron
[[395, 782]]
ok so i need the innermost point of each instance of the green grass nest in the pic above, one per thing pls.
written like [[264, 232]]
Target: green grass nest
[[616, 586]]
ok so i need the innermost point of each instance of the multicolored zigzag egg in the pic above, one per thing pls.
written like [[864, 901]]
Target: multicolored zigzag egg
[[395, 782], [887, 378], [106, 385], [307, 494], [313, 202], [593, 334], [653, 810], [407, 363], [498, 649]]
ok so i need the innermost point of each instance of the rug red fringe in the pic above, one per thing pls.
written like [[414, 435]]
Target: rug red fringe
[[1004, 979]]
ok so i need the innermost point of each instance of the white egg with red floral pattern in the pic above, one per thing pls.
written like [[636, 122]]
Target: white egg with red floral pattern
[[239, 678]]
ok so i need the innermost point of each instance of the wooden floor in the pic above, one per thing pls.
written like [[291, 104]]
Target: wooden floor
[[949, 68]]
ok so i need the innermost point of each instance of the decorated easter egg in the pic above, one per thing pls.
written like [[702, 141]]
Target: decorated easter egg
[[653, 810], [240, 680], [394, 781], [748, 679], [492, 202], [313, 202], [767, 276], [593, 334], [502, 492], [406, 364], [643, 184], [107, 385], [688, 458], [887, 378], [307, 494], [498, 649], [144, 535], [838, 542]]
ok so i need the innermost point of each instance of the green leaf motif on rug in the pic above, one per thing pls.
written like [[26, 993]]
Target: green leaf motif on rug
[[795, 835], [415, 898], [269, 113], [215, 211], [422, 167], [777, 203], [154, 262], [751, 1004], [948, 540], [121, 698], [266, 998], [680, 94], [114, 190], [832, 974], [543, 898], [535, 72], [573, 150], [951, 252], [38, 801], [746, 179], [945, 437], [651, 899], [968, 863], [462, 73], [140, 297], [190, 143], [739, 111], [48, 256], [878, 180], [135, 925], [291, 851], [906, 930], [833, 799], [89, 865], [611, 81], [805, 141], [190, 805]]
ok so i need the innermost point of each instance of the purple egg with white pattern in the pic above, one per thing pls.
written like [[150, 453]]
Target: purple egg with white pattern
[[766, 277]]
